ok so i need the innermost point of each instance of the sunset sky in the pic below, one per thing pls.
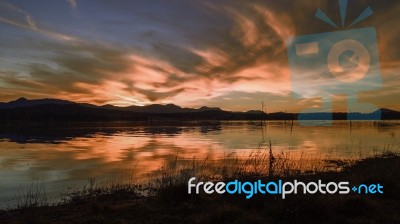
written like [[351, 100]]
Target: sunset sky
[[229, 54]]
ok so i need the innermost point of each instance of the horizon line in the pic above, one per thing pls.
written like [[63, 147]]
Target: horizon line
[[198, 107]]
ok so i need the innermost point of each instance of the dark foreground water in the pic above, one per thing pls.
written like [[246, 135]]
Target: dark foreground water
[[65, 159]]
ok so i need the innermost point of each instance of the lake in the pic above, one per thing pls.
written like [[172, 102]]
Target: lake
[[65, 158]]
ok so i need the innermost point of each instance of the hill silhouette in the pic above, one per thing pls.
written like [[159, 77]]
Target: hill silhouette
[[23, 110], [154, 108]]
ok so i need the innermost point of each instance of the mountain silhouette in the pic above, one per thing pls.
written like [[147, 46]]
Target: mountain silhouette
[[46, 111], [23, 102], [154, 108]]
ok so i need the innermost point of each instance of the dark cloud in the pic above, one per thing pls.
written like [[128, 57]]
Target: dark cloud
[[168, 51], [179, 57]]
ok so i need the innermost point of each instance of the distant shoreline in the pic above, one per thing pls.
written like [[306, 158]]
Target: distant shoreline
[[50, 111], [64, 125]]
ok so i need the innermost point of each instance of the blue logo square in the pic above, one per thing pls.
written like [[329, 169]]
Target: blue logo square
[[327, 64]]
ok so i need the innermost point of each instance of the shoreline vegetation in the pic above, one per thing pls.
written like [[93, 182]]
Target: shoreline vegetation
[[33, 126], [164, 198]]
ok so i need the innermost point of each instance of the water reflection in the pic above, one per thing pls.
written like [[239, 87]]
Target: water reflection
[[66, 158]]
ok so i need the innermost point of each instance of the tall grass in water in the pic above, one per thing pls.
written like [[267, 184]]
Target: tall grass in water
[[33, 196], [94, 191], [262, 162]]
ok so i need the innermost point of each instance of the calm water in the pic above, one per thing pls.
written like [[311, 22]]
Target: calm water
[[66, 159]]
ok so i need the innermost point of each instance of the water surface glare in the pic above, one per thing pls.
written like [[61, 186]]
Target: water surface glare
[[65, 159]]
